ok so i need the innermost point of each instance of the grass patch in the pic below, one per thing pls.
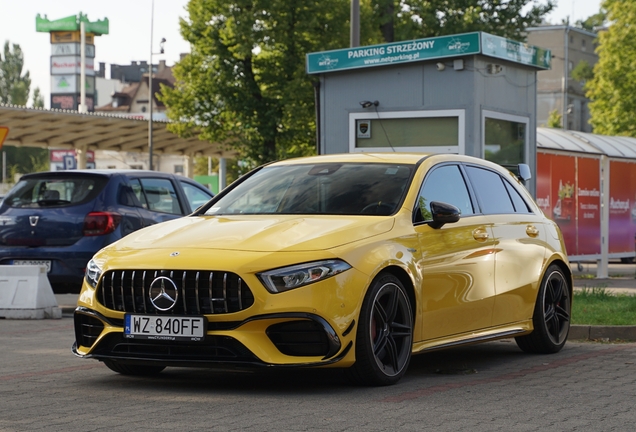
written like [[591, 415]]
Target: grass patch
[[597, 306]]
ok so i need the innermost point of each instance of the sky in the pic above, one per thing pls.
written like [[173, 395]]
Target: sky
[[129, 37]]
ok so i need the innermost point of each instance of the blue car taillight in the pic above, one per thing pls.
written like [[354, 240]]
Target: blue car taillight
[[100, 223]]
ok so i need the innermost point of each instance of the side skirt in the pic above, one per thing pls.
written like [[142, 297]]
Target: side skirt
[[510, 331]]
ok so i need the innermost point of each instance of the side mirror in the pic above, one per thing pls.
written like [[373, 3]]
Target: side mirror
[[524, 173], [443, 213]]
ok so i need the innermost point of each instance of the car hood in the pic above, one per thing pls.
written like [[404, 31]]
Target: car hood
[[260, 233]]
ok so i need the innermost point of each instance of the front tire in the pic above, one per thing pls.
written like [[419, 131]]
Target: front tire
[[551, 317], [133, 369], [384, 339]]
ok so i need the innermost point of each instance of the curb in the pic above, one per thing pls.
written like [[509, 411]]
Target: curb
[[603, 333]]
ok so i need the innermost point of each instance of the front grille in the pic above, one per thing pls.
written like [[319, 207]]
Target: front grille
[[198, 292]]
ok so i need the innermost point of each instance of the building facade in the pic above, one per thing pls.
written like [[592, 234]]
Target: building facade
[[556, 88]]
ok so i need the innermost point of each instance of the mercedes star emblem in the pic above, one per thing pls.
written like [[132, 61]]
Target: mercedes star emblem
[[163, 293]]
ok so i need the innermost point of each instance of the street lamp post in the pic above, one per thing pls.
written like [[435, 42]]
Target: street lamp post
[[150, 92]]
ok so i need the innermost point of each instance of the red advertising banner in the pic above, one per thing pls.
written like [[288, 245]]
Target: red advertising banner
[[568, 191], [588, 193], [622, 210]]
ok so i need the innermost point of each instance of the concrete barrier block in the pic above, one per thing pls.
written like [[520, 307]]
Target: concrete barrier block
[[25, 293]]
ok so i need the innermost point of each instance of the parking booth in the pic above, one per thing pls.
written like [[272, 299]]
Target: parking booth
[[472, 93]]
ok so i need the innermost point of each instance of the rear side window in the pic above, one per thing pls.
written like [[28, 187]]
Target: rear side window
[[491, 191], [54, 191]]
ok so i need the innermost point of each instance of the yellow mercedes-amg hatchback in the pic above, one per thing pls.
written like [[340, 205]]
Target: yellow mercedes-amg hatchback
[[355, 261]]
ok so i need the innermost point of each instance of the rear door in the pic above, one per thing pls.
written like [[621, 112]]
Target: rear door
[[519, 236]]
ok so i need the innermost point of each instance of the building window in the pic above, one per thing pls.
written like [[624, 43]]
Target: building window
[[583, 47], [426, 131], [178, 169], [136, 167], [505, 138]]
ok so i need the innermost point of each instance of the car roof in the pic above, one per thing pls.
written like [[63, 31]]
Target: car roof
[[100, 172], [391, 158]]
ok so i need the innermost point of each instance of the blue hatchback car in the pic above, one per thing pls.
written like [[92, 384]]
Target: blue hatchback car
[[60, 219]]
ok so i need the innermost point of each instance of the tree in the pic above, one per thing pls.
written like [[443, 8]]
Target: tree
[[14, 86], [612, 90], [555, 119], [591, 23], [38, 100], [244, 82], [415, 19], [14, 89]]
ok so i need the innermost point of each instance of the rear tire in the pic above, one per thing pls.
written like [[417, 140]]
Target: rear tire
[[551, 317], [384, 339], [133, 369]]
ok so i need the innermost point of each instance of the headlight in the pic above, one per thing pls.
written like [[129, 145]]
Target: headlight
[[287, 278], [93, 273]]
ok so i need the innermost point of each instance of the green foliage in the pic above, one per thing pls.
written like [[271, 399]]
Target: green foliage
[[38, 100], [555, 119], [414, 19], [14, 86], [244, 83], [597, 306], [583, 72], [23, 160], [612, 89], [597, 20]]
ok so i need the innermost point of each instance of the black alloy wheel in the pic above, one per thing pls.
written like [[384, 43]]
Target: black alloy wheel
[[551, 318], [385, 334]]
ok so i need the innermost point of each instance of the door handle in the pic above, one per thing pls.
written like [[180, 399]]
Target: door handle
[[532, 231], [480, 234]]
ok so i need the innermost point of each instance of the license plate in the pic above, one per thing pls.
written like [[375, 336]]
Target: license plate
[[166, 328], [44, 263]]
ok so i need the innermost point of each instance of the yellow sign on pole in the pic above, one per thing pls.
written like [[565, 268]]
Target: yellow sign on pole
[[4, 131]]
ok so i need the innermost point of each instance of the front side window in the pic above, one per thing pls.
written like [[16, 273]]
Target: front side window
[[195, 196], [161, 196], [337, 188], [445, 184]]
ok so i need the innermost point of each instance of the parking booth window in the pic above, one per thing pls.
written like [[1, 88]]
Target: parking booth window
[[408, 131], [505, 138]]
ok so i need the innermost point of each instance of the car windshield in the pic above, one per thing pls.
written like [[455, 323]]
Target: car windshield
[[54, 191], [328, 188]]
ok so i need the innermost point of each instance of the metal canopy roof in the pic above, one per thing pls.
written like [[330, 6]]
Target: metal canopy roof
[[63, 129], [575, 141]]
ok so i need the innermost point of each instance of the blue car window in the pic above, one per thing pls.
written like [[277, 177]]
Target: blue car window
[[161, 195], [196, 197], [54, 191], [138, 191]]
